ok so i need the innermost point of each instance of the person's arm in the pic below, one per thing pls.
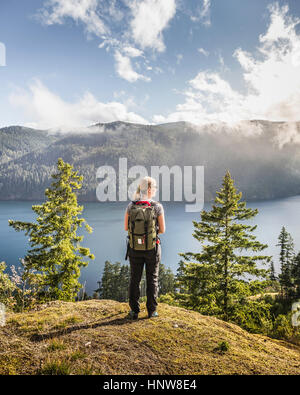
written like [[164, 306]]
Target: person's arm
[[161, 223], [126, 221]]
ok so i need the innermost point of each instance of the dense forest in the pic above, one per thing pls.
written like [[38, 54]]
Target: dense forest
[[262, 156]]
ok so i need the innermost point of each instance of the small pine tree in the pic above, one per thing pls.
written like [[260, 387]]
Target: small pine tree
[[272, 273], [166, 280], [114, 282], [286, 258], [123, 281], [216, 281], [105, 284], [56, 253], [275, 285]]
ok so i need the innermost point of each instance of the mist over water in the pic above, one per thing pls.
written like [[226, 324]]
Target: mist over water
[[107, 242]]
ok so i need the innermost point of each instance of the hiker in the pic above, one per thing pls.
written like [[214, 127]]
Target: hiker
[[144, 220]]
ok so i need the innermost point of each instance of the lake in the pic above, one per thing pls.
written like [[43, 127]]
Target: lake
[[107, 242]]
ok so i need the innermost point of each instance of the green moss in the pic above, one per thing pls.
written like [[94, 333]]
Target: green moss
[[77, 355], [56, 368], [8, 365], [56, 345], [223, 346]]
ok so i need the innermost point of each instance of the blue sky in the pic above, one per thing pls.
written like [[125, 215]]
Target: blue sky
[[72, 63]]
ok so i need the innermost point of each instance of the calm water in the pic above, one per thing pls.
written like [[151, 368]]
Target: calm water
[[107, 242]]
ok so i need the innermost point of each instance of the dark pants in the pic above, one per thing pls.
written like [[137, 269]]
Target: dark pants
[[137, 260]]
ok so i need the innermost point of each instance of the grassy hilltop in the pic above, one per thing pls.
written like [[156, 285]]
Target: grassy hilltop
[[94, 337]]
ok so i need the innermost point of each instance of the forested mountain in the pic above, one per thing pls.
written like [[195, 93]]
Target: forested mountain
[[16, 141], [263, 157]]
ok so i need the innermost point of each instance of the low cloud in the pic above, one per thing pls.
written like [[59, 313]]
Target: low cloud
[[45, 110]]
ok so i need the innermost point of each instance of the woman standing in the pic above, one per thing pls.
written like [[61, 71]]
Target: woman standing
[[144, 248]]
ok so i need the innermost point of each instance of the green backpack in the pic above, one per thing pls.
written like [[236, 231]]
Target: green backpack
[[142, 226]]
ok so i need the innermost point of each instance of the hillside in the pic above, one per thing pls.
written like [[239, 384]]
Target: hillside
[[94, 337], [263, 157]]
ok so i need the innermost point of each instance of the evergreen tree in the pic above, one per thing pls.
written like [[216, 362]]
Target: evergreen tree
[[56, 253], [273, 278], [217, 279], [115, 279], [123, 284], [296, 276], [114, 282], [107, 284], [272, 272], [182, 285], [166, 280], [286, 258]]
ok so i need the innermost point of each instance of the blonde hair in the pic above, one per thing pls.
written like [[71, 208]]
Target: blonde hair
[[142, 189]]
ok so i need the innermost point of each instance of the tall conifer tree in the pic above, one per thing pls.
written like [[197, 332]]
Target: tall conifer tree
[[56, 253], [219, 275]]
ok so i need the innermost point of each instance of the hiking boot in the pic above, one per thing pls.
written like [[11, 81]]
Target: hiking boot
[[132, 315], [153, 314]]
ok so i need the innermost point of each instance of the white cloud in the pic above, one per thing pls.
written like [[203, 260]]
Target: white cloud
[[205, 13], [44, 109], [122, 55], [150, 18], [203, 51], [84, 11], [272, 81], [125, 99], [286, 133], [125, 70], [109, 43], [132, 52], [99, 16], [201, 13], [114, 11], [223, 67], [128, 30]]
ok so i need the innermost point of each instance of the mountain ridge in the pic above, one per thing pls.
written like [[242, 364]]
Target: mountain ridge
[[262, 156]]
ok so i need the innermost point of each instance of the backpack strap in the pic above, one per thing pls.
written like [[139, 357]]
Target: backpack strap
[[146, 233], [142, 202]]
